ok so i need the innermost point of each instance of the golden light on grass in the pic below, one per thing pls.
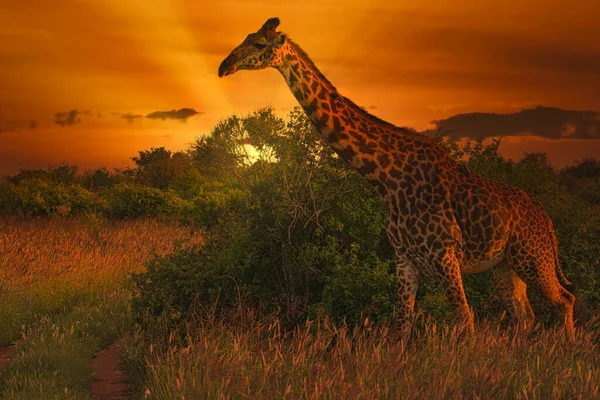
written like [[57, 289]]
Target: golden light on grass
[[325, 361], [88, 250], [48, 264]]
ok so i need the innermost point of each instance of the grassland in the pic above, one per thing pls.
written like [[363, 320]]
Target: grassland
[[321, 361], [64, 295]]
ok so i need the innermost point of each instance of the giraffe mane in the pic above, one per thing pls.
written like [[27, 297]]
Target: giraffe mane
[[360, 110]]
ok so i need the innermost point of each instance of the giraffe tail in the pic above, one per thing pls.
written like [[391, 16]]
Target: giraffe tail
[[578, 307]]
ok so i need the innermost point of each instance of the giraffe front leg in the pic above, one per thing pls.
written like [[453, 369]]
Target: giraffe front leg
[[408, 284], [453, 286]]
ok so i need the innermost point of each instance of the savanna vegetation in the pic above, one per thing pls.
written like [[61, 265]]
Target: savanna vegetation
[[255, 264]]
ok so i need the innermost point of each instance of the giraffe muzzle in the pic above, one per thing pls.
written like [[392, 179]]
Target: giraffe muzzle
[[226, 68]]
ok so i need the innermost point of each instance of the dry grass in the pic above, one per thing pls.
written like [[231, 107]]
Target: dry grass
[[321, 361], [85, 250], [64, 296], [49, 264]]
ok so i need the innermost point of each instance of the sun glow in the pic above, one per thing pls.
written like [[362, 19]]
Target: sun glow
[[408, 63], [163, 35]]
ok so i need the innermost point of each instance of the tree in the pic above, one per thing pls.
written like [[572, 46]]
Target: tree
[[158, 167], [583, 179]]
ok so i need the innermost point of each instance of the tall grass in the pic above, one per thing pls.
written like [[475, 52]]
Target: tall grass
[[53, 358], [64, 296], [47, 265], [322, 361]]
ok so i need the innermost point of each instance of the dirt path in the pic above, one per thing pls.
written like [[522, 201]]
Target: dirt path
[[108, 383], [5, 353]]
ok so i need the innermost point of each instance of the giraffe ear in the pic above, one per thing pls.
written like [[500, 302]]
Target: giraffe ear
[[270, 25], [280, 40]]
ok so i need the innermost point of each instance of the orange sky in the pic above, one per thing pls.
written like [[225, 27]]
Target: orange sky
[[412, 62]]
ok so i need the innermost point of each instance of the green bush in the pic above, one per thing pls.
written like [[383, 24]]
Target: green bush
[[126, 200], [295, 226], [358, 288], [209, 207], [9, 199], [38, 197]]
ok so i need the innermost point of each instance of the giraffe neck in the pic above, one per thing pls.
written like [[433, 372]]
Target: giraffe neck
[[350, 130]]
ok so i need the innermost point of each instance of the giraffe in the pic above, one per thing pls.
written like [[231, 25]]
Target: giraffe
[[444, 221]]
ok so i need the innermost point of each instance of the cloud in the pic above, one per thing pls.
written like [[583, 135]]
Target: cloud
[[182, 114], [68, 117], [11, 125], [548, 122], [130, 117]]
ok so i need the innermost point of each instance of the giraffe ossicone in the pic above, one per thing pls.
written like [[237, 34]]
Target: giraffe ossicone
[[443, 220]]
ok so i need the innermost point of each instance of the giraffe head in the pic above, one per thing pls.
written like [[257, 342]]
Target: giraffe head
[[259, 50]]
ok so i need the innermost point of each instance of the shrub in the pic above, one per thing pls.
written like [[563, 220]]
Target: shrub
[[209, 207], [9, 199], [38, 197], [127, 200], [296, 225], [358, 288]]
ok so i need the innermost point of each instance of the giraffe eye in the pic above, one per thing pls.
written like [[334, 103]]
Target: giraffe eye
[[259, 46]]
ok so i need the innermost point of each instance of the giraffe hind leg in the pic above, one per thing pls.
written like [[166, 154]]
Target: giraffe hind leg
[[542, 276], [513, 292]]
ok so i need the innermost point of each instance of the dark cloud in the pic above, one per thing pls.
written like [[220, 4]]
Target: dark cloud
[[472, 58], [129, 117], [182, 114], [548, 122], [68, 117], [508, 49], [7, 125]]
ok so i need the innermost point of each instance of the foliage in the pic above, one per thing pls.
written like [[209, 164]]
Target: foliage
[[132, 200], [101, 178], [64, 174], [38, 197], [583, 179], [158, 167], [295, 230]]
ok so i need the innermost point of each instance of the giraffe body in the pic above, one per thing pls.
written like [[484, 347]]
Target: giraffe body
[[444, 221]]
